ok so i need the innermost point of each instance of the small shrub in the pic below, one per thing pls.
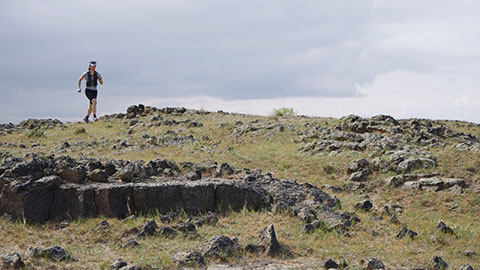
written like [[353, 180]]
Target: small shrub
[[36, 133], [80, 131], [328, 169], [284, 112]]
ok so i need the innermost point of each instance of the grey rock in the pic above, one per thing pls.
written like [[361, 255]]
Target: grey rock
[[54, 253], [365, 205], [224, 170], [218, 246], [188, 258], [466, 267], [268, 238], [357, 165], [117, 264], [360, 176], [12, 261], [195, 175], [373, 263], [404, 232], [98, 175], [308, 228], [185, 227], [438, 263], [441, 226], [76, 174], [330, 264], [150, 227]]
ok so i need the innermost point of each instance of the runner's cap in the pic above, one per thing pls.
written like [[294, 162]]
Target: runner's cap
[[93, 63]]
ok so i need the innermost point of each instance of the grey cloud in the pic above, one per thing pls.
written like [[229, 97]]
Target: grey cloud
[[227, 49]]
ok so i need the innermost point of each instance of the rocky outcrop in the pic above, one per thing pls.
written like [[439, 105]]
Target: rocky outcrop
[[38, 191]]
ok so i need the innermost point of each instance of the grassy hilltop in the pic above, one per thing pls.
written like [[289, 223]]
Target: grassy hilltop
[[314, 150]]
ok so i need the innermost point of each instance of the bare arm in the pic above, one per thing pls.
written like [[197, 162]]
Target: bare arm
[[79, 83], [100, 79]]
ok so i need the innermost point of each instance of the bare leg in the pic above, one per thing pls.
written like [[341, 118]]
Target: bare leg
[[94, 106], [89, 110]]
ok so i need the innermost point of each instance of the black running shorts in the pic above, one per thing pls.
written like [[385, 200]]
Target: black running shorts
[[91, 94]]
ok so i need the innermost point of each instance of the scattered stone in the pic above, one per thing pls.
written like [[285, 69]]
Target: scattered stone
[[268, 239], [223, 170], [62, 225], [358, 165], [169, 217], [12, 261], [117, 264], [218, 246], [195, 175], [54, 253], [404, 232], [360, 176], [188, 258], [443, 228], [469, 253], [330, 264], [184, 227], [466, 267], [394, 219], [150, 227], [438, 263], [373, 263], [365, 205], [308, 228]]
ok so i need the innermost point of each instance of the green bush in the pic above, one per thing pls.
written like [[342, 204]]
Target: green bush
[[283, 112]]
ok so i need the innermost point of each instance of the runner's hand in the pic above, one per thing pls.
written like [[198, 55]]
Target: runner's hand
[[79, 90]]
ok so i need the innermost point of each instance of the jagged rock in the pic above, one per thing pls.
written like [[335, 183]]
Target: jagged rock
[[357, 165], [218, 246], [54, 253], [466, 267], [195, 175], [373, 263], [117, 264], [126, 174], [360, 176], [394, 219], [184, 227], [392, 209], [169, 217], [224, 170], [330, 264], [76, 175], [438, 263], [188, 258], [435, 184], [167, 231], [308, 228], [268, 239], [98, 175], [365, 205], [12, 261], [469, 253], [443, 227], [404, 232], [150, 227]]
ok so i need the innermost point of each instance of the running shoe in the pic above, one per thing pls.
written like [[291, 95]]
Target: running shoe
[[95, 119], [85, 119]]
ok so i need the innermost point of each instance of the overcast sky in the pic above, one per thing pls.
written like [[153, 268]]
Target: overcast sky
[[324, 58]]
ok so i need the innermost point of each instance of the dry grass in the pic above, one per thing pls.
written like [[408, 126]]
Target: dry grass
[[275, 153]]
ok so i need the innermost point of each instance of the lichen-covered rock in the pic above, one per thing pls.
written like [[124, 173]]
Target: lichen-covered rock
[[188, 258], [11, 261], [220, 246]]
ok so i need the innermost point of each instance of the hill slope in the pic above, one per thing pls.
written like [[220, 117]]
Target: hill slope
[[387, 173]]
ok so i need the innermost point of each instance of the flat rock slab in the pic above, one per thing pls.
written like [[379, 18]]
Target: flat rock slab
[[51, 198]]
